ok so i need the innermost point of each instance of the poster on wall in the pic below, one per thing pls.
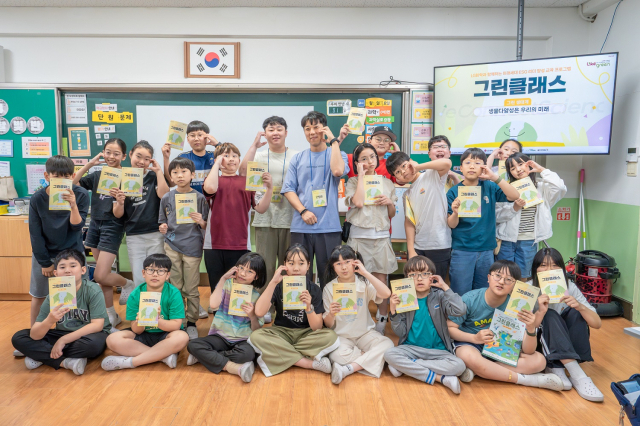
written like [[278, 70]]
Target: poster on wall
[[36, 147], [79, 142], [35, 177], [75, 106]]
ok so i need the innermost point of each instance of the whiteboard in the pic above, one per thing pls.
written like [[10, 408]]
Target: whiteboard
[[397, 222], [236, 124]]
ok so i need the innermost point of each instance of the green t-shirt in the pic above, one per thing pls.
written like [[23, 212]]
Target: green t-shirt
[[90, 301], [171, 305], [423, 333]]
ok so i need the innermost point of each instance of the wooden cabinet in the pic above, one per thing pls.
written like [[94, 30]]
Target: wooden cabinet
[[15, 258]]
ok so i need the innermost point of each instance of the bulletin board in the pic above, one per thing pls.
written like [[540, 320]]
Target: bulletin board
[[30, 105]]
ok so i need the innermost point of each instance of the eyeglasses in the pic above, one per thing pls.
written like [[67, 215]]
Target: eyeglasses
[[445, 146], [507, 280], [402, 168], [423, 275], [246, 270], [372, 157], [153, 271], [379, 139]]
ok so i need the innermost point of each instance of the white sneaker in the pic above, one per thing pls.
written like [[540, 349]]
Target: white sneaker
[[192, 332], [246, 371], [267, 318], [17, 354], [336, 374], [323, 364], [380, 325], [467, 375], [202, 313], [76, 365], [452, 383], [560, 372], [125, 292], [192, 360], [394, 371], [114, 323], [211, 311], [171, 361], [547, 381], [587, 389], [31, 364]]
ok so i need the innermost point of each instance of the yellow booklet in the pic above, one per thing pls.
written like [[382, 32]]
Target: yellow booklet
[[523, 296], [372, 188], [132, 181], [57, 188], [406, 291], [470, 201], [62, 291], [110, 178], [254, 176], [345, 295], [356, 120], [240, 294], [185, 205], [528, 192], [148, 308], [553, 284], [292, 288], [409, 211], [502, 169], [177, 134]]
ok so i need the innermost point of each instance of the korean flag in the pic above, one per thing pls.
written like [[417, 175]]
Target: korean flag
[[212, 60]]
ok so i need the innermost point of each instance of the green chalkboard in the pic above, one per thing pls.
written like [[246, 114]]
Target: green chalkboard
[[28, 103], [127, 102]]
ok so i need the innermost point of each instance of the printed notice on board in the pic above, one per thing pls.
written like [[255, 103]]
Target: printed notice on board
[[36, 147], [35, 177], [75, 106]]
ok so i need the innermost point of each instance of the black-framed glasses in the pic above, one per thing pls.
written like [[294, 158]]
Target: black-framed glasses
[[423, 275], [154, 271]]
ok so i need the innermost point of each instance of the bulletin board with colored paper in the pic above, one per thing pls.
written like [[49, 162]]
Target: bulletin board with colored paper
[[28, 124]]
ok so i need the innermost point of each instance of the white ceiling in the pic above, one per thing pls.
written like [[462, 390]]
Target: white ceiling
[[290, 3]]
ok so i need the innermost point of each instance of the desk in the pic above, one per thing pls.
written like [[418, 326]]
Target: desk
[[15, 258]]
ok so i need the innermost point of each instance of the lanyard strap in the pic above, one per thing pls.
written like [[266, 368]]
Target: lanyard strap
[[323, 169], [283, 163]]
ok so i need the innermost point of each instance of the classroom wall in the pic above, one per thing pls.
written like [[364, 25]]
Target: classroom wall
[[278, 45]]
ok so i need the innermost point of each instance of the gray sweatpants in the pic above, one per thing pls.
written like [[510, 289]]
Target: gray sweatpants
[[416, 362]]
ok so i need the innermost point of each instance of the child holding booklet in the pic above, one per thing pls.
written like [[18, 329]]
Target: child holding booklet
[[471, 332], [140, 345], [521, 229], [565, 324], [230, 204], [78, 334], [473, 224], [53, 231], [105, 230], [297, 337], [506, 149], [361, 347], [183, 218], [425, 349], [226, 347], [371, 198], [141, 214]]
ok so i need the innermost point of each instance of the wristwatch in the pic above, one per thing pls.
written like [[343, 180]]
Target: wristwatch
[[532, 334], [311, 310]]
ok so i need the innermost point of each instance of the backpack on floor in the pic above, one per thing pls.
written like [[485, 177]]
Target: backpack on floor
[[631, 410]]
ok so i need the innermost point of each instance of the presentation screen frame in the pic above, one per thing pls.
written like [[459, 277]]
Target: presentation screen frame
[[539, 150]]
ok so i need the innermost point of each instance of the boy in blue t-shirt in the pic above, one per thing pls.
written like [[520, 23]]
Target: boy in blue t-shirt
[[473, 239], [425, 349], [198, 137], [140, 345], [311, 187], [471, 332]]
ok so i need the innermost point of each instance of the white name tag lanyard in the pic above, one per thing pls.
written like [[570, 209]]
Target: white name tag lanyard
[[276, 197], [319, 195]]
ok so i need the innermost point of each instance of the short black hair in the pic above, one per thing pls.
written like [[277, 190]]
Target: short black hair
[[512, 267], [257, 265], [539, 258], [182, 163], [296, 249], [347, 253], [196, 125], [356, 153], [274, 119], [69, 254], [438, 139], [119, 142], [143, 144], [60, 165], [514, 141], [396, 160], [158, 260], [474, 153], [419, 264], [517, 157], [314, 117]]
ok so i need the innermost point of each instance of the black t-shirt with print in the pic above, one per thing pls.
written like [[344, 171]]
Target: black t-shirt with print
[[142, 212], [296, 318]]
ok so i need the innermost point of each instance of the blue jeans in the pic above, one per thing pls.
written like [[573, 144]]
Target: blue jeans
[[469, 270], [521, 252]]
